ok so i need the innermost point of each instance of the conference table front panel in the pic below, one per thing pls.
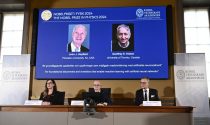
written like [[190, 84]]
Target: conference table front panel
[[109, 115]]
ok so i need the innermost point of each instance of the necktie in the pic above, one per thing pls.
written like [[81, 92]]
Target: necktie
[[145, 95]]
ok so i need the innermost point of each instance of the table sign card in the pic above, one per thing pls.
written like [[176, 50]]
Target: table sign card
[[33, 102], [77, 103], [152, 103]]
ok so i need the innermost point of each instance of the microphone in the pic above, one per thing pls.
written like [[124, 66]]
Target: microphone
[[89, 106]]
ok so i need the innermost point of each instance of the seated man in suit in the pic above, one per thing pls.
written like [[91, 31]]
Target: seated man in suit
[[79, 34], [145, 93], [104, 97]]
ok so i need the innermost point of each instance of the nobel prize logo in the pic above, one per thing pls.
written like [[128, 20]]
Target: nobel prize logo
[[180, 74], [148, 14], [7, 75], [139, 13], [14, 76], [46, 15]]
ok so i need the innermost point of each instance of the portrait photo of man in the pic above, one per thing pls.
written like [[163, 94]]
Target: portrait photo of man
[[78, 41], [122, 37]]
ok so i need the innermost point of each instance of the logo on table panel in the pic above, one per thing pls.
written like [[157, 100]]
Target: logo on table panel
[[46, 15], [7, 75], [14, 76], [180, 74]]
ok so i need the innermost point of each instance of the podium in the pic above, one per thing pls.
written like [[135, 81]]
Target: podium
[[109, 115]]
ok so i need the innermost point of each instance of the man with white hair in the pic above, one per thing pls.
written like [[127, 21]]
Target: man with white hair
[[79, 34], [103, 98], [123, 42]]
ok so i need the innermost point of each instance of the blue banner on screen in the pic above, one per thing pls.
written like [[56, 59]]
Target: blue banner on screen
[[102, 43]]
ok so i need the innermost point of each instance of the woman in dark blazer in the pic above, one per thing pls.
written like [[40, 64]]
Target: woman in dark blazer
[[50, 95]]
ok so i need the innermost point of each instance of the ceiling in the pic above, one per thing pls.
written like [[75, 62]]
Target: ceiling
[[11, 4], [19, 4], [196, 2], [11, 1]]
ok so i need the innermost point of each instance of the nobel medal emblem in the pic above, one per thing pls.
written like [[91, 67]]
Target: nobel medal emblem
[[46, 15]]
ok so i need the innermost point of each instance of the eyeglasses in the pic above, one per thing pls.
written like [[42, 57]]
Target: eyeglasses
[[96, 85], [49, 82], [143, 82]]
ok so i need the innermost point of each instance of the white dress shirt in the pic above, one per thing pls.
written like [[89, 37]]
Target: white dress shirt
[[74, 48]]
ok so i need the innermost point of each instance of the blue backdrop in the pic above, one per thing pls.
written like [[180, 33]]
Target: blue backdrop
[[149, 58]]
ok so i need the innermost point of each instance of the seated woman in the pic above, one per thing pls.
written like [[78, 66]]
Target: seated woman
[[104, 97], [50, 96]]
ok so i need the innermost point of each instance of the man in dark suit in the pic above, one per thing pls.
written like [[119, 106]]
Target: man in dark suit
[[104, 97], [145, 93], [79, 34]]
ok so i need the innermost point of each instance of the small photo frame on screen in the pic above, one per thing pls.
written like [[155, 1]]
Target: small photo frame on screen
[[78, 38], [123, 37]]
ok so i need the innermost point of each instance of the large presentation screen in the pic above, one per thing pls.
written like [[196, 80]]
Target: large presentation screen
[[102, 43]]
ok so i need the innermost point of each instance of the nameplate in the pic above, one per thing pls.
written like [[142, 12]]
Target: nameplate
[[33, 102], [77, 102], [152, 103]]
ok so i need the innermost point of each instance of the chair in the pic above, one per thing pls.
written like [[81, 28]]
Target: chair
[[61, 97]]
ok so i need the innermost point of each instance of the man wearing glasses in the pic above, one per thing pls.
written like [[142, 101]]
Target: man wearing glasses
[[145, 93]]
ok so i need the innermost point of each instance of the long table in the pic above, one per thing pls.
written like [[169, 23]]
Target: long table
[[109, 115]]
